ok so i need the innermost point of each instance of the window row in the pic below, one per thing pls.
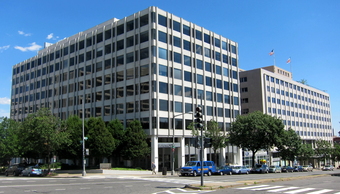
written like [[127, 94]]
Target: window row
[[296, 114]]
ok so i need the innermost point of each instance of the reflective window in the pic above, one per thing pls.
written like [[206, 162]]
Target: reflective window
[[224, 45], [187, 76], [129, 41], [218, 69], [226, 85], [187, 60], [177, 74], [144, 20], [177, 42], [199, 64], [208, 66], [144, 53], [162, 36], [218, 56], [198, 35], [163, 70], [199, 49], [234, 62], [233, 49], [163, 105], [163, 88], [207, 38], [219, 98], [217, 43], [178, 107], [177, 57], [188, 92], [162, 20], [176, 26], [186, 45], [219, 83], [225, 72], [200, 79], [186, 30], [208, 81], [227, 99], [144, 36], [209, 96], [130, 57], [163, 53], [207, 52], [178, 90]]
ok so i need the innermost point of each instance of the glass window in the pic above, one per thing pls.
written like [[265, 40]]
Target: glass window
[[225, 58], [120, 29], [233, 49], [235, 75], [198, 35], [199, 64], [208, 66], [187, 60], [120, 45], [162, 20], [144, 53], [163, 70], [163, 105], [208, 81], [129, 41], [177, 42], [217, 43], [209, 96], [177, 74], [199, 49], [178, 107], [224, 45], [219, 98], [200, 79], [236, 100], [130, 57], [226, 85], [207, 38], [177, 57], [178, 90], [144, 20], [187, 76], [162, 36], [227, 99], [176, 26], [188, 92], [186, 45], [234, 62], [163, 53], [129, 25], [218, 70], [207, 52], [186, 30], [163, 88], [218, 56], [219, 83], [144, 36]]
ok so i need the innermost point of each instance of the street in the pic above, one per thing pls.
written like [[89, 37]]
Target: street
[[158, 184]]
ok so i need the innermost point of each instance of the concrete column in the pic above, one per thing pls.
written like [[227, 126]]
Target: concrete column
[[181, 152], [222, 157], [154, 151]]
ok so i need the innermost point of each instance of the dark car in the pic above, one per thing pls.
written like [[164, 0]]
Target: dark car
[[287, 169], [298, 169], [222, 170], [14, 170], [260, 168]]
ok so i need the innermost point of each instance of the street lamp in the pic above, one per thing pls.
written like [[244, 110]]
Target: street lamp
[[83, 139], [173, 141]]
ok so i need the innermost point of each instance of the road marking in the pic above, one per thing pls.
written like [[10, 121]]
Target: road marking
[[60, 189], [300, 190], [283, 189], [321, 191], [267, 188], [258, 186]]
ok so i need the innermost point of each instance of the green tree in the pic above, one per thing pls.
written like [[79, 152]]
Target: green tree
[[73, 150], [100, 141], [42, 134], [256, 131], [323, 150], [290, 146], [219, 139], [135, 145], [117, 131], [336, 152], [8, 140], [306, 152]]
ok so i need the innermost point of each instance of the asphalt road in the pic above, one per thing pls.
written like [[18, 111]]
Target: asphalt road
[[166, 184]]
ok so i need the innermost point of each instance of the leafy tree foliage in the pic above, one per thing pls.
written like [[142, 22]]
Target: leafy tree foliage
[[306, 152], [291, 145], [117, 131], [336, 152], [135, 144], [323, 149], [100, 141], [219, 139], [8, 140], [42, 134], [256, 131], [73, 150]]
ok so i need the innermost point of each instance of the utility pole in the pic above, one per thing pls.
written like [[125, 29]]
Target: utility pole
[[199, 125]]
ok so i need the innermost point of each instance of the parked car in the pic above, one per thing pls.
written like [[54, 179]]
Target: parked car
[[307, 168], [275, 169], [328, 167], [32, 171], [260, 168], [298, 168], [14, 170], [194, 168], [287, 169], [240, 170], [222, 170]]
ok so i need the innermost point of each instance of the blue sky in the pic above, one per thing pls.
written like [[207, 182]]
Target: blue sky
[[306, 31]]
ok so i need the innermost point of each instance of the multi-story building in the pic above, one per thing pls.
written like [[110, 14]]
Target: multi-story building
[[301, 107], [152, 66]]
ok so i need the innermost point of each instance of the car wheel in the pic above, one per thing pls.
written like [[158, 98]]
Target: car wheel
[[247, 172], [209, 173], [221, 173], [14, 174], [29, 174], [195, 173], [6, 173], [182, 174], [230, 173]]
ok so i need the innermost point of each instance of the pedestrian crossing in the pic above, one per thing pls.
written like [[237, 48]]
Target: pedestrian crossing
[[165, 180], [289, 190]]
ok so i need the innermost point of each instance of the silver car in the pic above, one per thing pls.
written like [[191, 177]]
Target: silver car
[[307, 168], [32, 171], [275, 169], [328, 167]]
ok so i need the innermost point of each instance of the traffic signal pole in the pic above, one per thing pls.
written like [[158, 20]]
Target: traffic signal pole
[[199, 125]]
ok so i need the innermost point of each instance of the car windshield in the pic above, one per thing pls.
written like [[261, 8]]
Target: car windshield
[[236, 167], [258, 165], [190, 164], [272, 167], [327, 166]]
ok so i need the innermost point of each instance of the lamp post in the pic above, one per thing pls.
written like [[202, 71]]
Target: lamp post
[[83, 140], [173, 142]]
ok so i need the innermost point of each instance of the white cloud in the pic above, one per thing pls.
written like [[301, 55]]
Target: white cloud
[[33, 47], [50, 36], [3, 48], [23, 33], [5, 101]]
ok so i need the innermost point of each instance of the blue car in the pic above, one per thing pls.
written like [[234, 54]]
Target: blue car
[[287, 169], [222, 170], [240, 170]]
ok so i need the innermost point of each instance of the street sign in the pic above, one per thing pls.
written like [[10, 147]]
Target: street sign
[[168, 145]]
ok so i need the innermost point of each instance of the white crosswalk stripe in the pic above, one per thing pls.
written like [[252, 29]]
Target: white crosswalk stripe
[[287, 190]]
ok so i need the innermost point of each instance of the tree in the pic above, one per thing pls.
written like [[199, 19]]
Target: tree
[[42, 134], [256, 131], [100, 141], [73, 150], [323, 149], [135, 145], [336, 152], [8, 140], [290, 146], [306, 152], [117, 131], [217, 136]]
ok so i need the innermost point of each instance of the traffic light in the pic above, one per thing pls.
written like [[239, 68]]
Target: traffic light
[[195, 141], [199, 118], [207, 142]]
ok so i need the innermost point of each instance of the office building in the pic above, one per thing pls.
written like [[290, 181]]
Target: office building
[[300, 106], [152, 66]]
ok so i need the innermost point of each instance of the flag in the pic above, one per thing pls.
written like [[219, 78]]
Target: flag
[[271, 52], [288, 60]]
